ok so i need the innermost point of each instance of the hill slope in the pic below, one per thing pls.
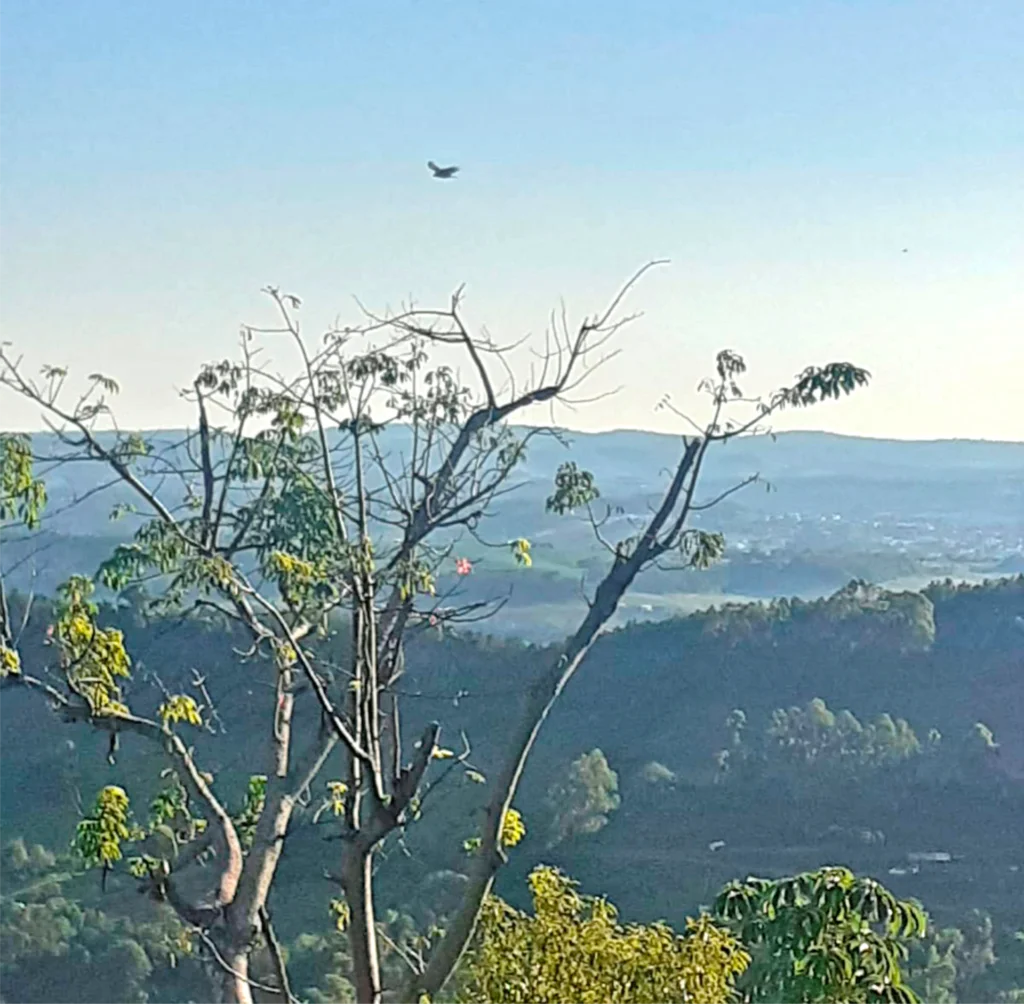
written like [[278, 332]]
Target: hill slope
[[888, 511]]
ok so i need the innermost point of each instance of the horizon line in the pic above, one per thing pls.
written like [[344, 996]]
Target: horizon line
[[631, 430]]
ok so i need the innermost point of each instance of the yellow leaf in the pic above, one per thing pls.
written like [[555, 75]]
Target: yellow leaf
[[10, 661], [513, 829]]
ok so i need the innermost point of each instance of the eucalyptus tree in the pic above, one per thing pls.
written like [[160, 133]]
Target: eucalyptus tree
[[581, 799], [339, 489]]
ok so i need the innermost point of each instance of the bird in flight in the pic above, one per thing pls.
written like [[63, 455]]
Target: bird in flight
[[442, 172]]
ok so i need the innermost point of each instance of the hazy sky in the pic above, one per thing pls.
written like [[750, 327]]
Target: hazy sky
[[163, 161]]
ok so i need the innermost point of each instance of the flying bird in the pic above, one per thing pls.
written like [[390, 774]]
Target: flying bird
[[442, 172]]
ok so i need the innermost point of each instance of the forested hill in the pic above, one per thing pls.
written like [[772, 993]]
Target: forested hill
[[866, 728], [892, 512], [945, 658]]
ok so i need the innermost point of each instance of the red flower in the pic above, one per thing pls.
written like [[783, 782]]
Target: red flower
[[463, 566]]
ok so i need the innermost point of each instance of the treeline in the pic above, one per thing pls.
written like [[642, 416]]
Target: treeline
[[946, 659], [801, 743], [62, 939]]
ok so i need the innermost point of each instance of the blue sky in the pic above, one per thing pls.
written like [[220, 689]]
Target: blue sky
[[161, 162]]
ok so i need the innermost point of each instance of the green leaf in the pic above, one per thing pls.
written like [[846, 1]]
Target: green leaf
[[574, 489]]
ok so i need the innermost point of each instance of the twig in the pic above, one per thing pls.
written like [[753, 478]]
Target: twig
[[228, 968], [274, 947]]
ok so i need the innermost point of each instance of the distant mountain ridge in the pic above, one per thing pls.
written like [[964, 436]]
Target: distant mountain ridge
[[841, 507], [627, 453]]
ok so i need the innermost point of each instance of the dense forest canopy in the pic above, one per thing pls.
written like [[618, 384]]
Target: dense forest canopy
[[875, 744]]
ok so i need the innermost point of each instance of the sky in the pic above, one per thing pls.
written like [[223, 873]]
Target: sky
[[161, 162]]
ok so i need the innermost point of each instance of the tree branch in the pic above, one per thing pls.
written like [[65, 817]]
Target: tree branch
[[227, 842], [274, 947]]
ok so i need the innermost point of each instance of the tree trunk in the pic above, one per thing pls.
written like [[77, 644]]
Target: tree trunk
[[357, 880], [236, 982], [539, 702]]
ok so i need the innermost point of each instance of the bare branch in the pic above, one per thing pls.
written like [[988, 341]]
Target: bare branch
[[274, 947], [179, 755]]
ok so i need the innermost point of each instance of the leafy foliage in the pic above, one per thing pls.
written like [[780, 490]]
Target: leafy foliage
[[22, 494], [582, 800], [320, 964], [973, 961], [574, 489], [825, 936], [255, 798], [103, 836], [573, 948], [54, 947], [10, 661], [99, 836], [817, 384], [701, 549], [815, 738], [513, 829], [180, 708], [859, 616], [93, 658], [521, 552], [813, 744]]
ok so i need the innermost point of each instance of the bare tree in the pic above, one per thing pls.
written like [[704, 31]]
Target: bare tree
[[344, 488], [666, 535]]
